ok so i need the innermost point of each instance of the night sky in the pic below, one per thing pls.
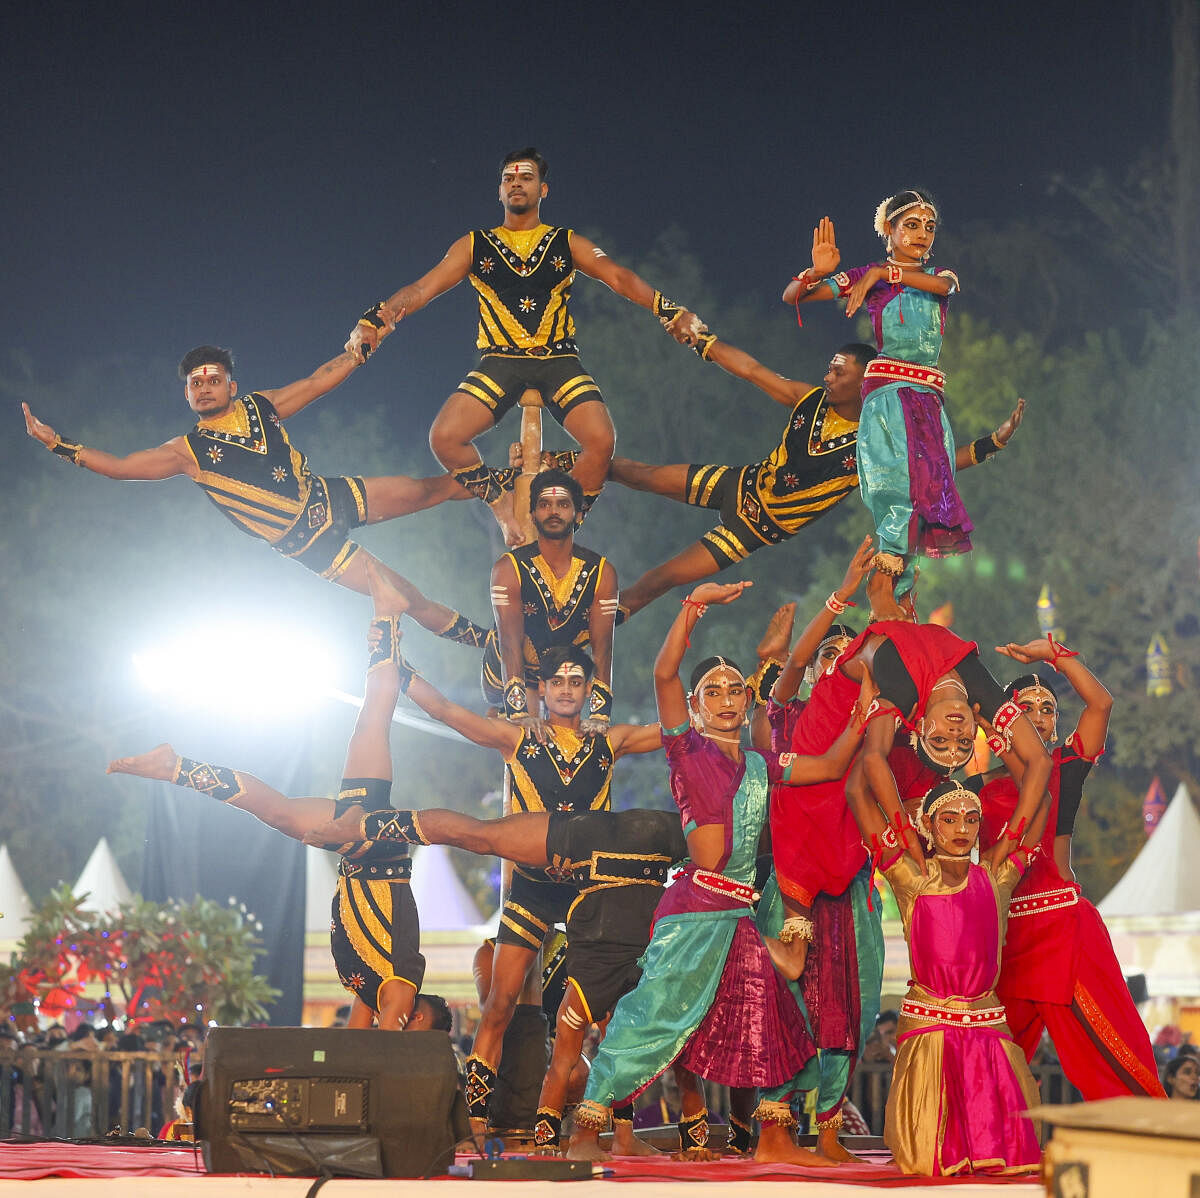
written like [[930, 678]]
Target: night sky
[[255, 174]]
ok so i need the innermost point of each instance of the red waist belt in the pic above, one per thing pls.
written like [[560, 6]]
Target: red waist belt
[[1045, 900], [983, 1017], [906, 372], [720, 884]]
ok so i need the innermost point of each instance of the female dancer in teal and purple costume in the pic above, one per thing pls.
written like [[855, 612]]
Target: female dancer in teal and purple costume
[[709, 996], [906, 454]]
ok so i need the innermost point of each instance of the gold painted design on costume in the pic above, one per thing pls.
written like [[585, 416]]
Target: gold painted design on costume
[[1128, 1060]]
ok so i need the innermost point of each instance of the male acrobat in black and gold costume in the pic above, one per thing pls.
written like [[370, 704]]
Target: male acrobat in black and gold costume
[[618, 863], [551, 593], [240, 454], [522, 272], [569, 772], [375, 932], [810, 471]]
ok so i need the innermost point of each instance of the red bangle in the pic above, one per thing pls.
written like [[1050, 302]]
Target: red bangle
[[696, 606], [1058, 651], [1008, 832]]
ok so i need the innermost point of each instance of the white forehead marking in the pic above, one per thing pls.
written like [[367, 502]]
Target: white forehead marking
[[206, 372]]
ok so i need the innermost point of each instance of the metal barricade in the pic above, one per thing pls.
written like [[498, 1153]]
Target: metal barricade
[[77, 1094]]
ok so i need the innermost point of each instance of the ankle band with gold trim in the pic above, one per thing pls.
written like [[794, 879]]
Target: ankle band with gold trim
[[217, 781]]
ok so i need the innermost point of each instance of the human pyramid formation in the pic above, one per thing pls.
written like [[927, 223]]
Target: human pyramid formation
[[768, 990]]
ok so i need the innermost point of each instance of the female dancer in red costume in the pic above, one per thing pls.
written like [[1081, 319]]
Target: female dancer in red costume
[[930, 682], [1059, 971]]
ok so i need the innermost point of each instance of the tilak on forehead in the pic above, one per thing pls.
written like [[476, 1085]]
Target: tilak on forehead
[[1035, 692], [721, 666], [838, 360], [569, 669], [554, 493], [884, 219], [515, 168], [210, 370]]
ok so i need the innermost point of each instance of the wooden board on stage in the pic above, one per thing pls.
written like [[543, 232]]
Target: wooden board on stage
[[1121, 1147]]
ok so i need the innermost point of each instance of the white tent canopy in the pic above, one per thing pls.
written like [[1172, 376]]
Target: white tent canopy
[[102, 881], [320, 881], [442, 900], [1164, 878], [14, 902]]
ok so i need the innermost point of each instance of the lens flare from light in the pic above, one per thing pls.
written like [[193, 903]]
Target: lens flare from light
[[273, 669]]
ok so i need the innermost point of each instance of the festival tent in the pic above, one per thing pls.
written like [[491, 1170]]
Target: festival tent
[[320, 881], [15, 907], [441, 898], [1163, 878], [102, 881]]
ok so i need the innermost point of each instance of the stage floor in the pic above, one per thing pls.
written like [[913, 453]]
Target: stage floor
[[63, 1170]]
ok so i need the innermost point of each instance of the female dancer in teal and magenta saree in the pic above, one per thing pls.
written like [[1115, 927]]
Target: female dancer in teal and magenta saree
[[959, 1082], [709, 996], [906, 453]]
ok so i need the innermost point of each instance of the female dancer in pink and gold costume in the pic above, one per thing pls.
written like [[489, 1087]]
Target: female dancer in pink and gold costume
[[960, 1082]]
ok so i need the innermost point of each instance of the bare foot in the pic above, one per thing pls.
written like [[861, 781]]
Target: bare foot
[[829, 1145], [776, 1147], [159, 764], [505, 511], [788, 959], [585, 1146], [881, 592], [388, 600], [625, 1143]]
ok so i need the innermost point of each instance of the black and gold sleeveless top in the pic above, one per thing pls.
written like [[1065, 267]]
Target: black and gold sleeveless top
[[570, 772], [523, 282], [556, 610], [812, 468], [250, 469]]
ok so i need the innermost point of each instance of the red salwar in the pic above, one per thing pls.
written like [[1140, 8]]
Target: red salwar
[[1058, 971]]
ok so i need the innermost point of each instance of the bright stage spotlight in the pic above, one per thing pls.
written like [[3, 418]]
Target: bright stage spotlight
[[272, 668]]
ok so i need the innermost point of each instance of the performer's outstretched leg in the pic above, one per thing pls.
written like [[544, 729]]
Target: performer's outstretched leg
[[436, 617], [695, 562], [392, 496], [461, 420], [591, 425]]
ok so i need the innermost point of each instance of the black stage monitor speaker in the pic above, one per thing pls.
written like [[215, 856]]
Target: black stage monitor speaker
[[305, 1101]]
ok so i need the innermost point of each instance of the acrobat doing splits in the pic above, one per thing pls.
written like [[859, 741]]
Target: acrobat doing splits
[[522, 271], [239, 453]]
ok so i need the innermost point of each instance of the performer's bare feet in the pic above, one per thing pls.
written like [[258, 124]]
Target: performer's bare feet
[[625, 1143], [881, 592], [159, 764], [505, 511], [776, 1147], [387, 598], [585, 1146], [830, 1146], [788, 959]]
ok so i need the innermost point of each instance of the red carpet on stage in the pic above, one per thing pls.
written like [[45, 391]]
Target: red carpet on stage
[[43, 1158], [49, 1158]]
